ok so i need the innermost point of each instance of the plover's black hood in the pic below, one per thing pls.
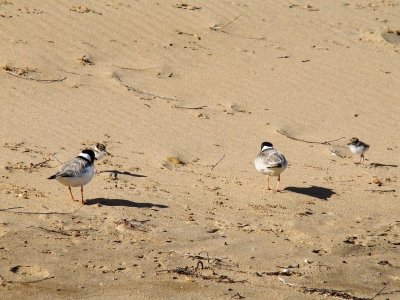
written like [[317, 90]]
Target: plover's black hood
[[90, 153], [266, 144]]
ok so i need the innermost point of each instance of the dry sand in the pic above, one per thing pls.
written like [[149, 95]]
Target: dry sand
[[163, 79]]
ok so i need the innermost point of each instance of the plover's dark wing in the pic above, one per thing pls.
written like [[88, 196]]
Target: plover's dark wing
[[272, 159], [73, 168], [362, 144]]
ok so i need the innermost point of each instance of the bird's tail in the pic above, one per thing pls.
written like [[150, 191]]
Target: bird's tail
[[53, 176]]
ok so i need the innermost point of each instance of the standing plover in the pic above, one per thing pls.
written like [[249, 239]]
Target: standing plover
[[358, 147], [270, 162], [80, 170]]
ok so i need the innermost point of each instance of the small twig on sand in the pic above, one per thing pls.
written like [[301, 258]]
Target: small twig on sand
[[381, 191], [182, 107], [60, 162], [375, 165], [309, 142], [134, 69], [75, 73], [63, 232], [32, 281], [69, 72], [51, 230], [218, 27], [392, 292], [238, 296], [324, 292], [140, 92], [218, 162], [35, 79], [187, 33], [9, 208], [377, 294], [198, 256], [47, 213], [245, 37], [194, 272]]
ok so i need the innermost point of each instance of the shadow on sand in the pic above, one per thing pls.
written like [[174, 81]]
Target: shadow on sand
[[312, 191], [123, 202]]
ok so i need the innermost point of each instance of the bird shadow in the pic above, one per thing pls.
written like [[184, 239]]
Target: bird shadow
[[312, 191], [122, 173], [376, 165], [123, 202]]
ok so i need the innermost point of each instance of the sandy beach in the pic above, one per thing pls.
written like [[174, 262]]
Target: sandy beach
[[183, 94]]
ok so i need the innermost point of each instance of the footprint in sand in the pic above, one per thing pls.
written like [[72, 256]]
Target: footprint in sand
[[391, 36], [388, 36], [30, 271], [3, 229]]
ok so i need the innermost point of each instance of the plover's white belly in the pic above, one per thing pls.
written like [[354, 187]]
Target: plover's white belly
[[357, 150], [262, 168], [78, 180]]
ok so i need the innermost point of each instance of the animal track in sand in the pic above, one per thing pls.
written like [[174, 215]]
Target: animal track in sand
[[34, 152], [233, 108], [20, 192], [305, 7], [83, 10], [20, 165], [186, 6], [28, 10], [23, 148], [118, 5], [20, 71], [2, 13], [124, 225], [370, 242], [373, 5]]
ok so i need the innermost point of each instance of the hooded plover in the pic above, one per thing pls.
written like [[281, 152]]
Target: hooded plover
[[80, 170], [358, 147], [270, 162]]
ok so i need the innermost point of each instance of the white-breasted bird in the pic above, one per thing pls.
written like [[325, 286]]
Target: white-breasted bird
[[270, 162], [80, 170], [358, 147]]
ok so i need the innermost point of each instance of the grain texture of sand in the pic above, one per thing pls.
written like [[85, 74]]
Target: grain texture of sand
[[183, 94]]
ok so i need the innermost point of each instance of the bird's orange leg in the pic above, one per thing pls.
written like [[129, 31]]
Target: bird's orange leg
[[70, 191], [267, 186], [83, 201], [279, 181]]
